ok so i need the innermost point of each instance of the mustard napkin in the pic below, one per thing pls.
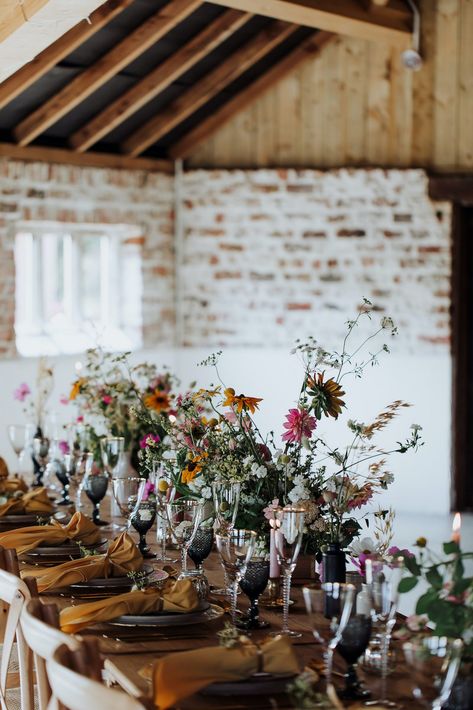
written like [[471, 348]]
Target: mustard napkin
[[180, 675], [35, 501], [179, 597], [11, 485], [80, 528], [121, 557]]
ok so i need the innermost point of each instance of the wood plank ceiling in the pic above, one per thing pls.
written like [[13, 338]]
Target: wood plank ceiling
[[147, 80]]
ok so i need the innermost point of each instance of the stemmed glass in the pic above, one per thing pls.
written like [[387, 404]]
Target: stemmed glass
[[112, 449], [338, 599], [201, 546], [253, 584], [40, 455], [63, 477], [236, 550], [164, 492], [127, 493], [77, 467], [184, 516], [288, 540], [353, 643], [226, 498], [382, 579], [142, 519], [433, 664], [17, 434], [95, 485]]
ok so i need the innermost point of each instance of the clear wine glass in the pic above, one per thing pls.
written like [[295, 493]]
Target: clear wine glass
[[40, 454], [164, 491], [112, 450], [253, 584], [184, 516], [288, 539], [77, 468], [382, 579], [142, 518], [335, 601], [17, 434], [127, 493], [433, 666], [226, 499], [236, 550], [95, 486]]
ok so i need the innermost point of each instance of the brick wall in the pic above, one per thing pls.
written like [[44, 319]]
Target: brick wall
[[273, 255], [60, 193]]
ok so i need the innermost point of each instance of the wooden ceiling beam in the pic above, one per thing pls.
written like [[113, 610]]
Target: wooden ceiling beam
[[52, 55], [209, 86], [186, 145], [95, 160], [391, 24], [104, 69], [159, 79], [14, 14]]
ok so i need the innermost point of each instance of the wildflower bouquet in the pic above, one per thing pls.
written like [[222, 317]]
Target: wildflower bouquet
[[107, 393]]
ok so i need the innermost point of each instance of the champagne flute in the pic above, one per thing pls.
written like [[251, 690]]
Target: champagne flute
[[338, 599], [95, 486], [433, 664], [184, 516], [17, 434], [382, 579], [235, 549], [288, 540], [226, 498]]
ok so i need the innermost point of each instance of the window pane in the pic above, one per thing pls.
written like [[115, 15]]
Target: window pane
[[89, 249]]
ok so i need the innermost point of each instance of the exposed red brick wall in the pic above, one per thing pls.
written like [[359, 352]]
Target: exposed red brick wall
[[61, 193], [273, 255]]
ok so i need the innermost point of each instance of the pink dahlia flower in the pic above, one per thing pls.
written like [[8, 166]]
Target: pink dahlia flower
[[149, 439], [299, 424], [22, 392]]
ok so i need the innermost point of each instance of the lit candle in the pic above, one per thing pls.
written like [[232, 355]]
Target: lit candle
[[274, 569], [457, 523]]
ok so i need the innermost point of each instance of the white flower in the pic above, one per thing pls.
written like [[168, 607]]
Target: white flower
[[416, 427], [366, 546], [259, 471], [206, 492], [387, 478]]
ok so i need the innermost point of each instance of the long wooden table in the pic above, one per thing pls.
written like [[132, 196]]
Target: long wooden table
[[132, 656]]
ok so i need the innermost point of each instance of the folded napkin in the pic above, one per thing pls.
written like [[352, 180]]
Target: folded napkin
[[80, 528], [179, 597], [121, 557], [35, 501], [179, 675], [11, 485]]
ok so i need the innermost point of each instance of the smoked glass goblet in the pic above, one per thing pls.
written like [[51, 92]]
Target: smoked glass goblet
[[253, 584], [142, 519], [95, 486], [353, 643], [201, 546], [40, 456]]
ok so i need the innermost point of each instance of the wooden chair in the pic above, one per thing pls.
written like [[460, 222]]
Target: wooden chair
[[40, 627], [75, 677], [14, 593]]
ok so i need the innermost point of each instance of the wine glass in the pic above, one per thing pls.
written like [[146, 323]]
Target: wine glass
[[226, 498], [253, 584], [184, 516], [142, 518], [127, 493], [433, 664], [164, 492], [40, 456], [63, 477], [17, 434], [201, 546], [95, 485], [353, 643], [338, 599], [382, 579], [77, 467], [112, 448], [236, 550], [288, 539]]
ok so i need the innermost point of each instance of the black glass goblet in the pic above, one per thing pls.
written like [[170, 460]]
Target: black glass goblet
[[95, 486], [142, 519], [253, 585], [353, 643], [201, 546], [63, 478]]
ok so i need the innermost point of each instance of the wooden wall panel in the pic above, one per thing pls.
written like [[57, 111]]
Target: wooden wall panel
[[355, 104]]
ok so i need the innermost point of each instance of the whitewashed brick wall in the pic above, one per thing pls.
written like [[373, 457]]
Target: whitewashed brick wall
[[267, 256], [273, 255], [61, 193]]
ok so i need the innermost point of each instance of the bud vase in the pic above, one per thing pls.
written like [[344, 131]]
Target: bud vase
[[334, 564]]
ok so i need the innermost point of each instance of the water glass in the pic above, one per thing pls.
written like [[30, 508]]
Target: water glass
[[288, 539], [142, 519], [235, 550], [184, 516], [95, 486], [253, 584], [433, 666]]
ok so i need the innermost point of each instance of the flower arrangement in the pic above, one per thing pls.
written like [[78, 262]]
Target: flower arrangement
[[107, 393], [447, 602], [34, 404], [215, 436]]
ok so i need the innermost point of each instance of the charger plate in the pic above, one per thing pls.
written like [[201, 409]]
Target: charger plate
[[26, 520], [47, 555], [257, 684], [208, 612]]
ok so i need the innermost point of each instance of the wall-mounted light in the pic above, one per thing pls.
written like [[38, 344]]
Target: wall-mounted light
[[411, 58]]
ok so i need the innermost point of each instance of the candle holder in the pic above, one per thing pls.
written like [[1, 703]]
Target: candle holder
[[271, 597]]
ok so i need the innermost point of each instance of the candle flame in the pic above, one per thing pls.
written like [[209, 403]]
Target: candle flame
[[457, 522]]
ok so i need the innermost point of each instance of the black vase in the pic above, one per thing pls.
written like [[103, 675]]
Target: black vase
[[334, 564]]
